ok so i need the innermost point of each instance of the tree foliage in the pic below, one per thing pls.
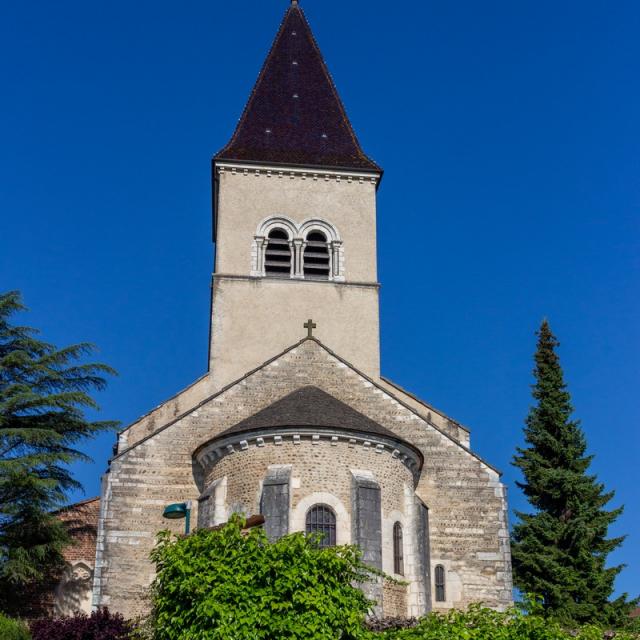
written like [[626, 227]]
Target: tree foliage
[[228, 584], [560, 549], [44, 396]]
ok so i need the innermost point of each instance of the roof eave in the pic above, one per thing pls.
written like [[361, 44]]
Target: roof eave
[[376, 172]]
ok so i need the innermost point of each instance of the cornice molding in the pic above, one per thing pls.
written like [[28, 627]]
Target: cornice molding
[[211, 452], [273, 279], [300, 173]]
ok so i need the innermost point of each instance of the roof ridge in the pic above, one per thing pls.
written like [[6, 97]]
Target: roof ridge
[[335, 355], [424, 403], [76, 504], [309, 406], [272, 129], [261, 73], [332, 84], [204, 401], [404, 404]]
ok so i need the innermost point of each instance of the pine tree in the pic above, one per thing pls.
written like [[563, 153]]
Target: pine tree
[[560, 549], [44, 393]]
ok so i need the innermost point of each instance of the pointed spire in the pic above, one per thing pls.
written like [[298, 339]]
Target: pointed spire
[[294, 115]]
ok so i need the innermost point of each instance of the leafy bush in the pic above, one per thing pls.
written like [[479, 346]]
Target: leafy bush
[[228, 585], [100, 625], [13, 629], [485, 624]]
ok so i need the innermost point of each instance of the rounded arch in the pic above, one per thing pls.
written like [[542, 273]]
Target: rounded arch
[[272, 226], [317, 224], [440, 581], [398, 548], [328, 266], [343, 519], [277, 222], [321, 519]]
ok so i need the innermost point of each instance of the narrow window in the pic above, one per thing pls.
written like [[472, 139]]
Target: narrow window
[[321, 519], [316, 256], [441, 594], [277, 257], [398, 551]]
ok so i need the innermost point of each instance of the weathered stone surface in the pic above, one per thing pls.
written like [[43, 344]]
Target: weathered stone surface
[[276, 501], [465, 498]]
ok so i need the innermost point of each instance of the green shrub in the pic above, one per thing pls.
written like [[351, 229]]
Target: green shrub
[[228, 585], [13, 629], [479, 623]]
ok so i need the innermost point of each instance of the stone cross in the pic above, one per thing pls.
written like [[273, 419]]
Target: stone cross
[[310, 325]]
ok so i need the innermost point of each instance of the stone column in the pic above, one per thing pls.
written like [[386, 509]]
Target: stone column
[[260, 242], [336, 245], [297, 258]]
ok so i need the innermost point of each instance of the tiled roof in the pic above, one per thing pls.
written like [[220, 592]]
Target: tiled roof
[[310, 407], [294, 115]]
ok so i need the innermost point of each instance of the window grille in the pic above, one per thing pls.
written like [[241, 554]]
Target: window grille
[[321, 519], [398, 551], [441, 595], [277, 257], [316, 258]]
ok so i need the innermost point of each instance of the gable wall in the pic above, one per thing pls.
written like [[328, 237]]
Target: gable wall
[[465, 498]]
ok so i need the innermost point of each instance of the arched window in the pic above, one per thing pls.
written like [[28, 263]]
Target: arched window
[[277, 256], [398, 550], [441, 593], [322, 519], [316, 259]]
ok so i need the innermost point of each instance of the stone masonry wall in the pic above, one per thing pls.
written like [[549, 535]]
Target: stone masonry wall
[[395, 600], [466, 500], [322, 472], [323, 464]]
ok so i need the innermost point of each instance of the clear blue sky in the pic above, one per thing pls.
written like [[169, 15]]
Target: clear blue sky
[[509, 132]]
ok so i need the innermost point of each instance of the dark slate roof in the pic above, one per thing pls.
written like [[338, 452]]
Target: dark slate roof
[[310, 407], [294, 115]]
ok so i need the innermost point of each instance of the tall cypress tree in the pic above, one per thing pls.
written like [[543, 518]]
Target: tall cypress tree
[[560, 549], [44, 395]]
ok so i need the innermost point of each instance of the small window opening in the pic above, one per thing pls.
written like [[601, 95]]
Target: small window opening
[[321, 519], [441, 594], [277, 257], [316, 256], [398, 551]]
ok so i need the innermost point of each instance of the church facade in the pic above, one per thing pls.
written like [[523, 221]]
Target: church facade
[[294, 420]]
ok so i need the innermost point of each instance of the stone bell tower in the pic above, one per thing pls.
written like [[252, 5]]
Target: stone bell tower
[[294, 219]]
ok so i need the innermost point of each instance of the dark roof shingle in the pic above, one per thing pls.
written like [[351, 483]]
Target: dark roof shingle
[[294, 115], [310, 407]]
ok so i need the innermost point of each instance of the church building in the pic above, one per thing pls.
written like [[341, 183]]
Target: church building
[[294, 420]]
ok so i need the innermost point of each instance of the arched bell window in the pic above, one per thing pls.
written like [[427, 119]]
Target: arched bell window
[[316, 256], [398, 550], [312, 250], [277, 255], [440, 580], [322, 519]]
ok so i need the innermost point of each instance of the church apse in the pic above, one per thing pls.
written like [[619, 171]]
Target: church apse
[[310, 451]]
